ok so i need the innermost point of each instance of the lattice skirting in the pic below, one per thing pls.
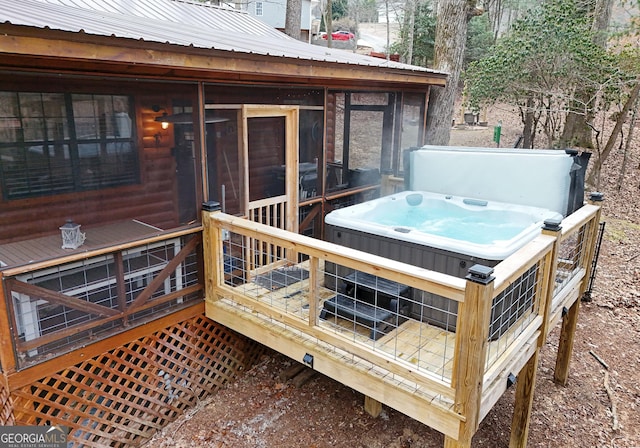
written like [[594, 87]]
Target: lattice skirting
[[6, 408], [122, 397]]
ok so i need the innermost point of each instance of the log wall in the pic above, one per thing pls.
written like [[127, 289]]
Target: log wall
[[153, 200]]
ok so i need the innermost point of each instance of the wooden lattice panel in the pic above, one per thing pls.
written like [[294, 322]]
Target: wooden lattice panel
[[122, 397], [6, 408]]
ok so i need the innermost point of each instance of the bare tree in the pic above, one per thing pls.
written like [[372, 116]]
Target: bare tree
[[409, 19], [451, 37], [577, 129], [594, 176], [293, 18]]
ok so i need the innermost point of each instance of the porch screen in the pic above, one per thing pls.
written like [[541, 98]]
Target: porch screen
[[53, 143]]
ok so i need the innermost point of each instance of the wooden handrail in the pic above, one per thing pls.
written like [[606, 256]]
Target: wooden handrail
[[417, 277], [578, 219], [78, 256], [104, 314]]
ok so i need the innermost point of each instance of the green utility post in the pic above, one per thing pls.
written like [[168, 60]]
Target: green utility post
[[496, 133]]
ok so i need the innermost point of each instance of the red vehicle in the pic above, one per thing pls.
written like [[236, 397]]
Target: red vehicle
[[340, 35]]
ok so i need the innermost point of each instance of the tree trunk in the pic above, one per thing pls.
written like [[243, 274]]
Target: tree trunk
[[329, 23], [527, 131], [386, 9], [293, 18], [611, 141], [577, 131], [627, 145], [451, 37], [410, 17]]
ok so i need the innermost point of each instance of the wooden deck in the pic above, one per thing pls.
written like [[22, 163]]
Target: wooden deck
[[446, 380], [49, 247], [418, 343]]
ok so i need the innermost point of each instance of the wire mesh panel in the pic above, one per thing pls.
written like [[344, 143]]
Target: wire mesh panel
[[121, 398], [57, 308], [513, 310], [282, 283], [570, 255]]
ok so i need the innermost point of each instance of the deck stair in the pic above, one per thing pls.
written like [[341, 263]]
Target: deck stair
[[370, 301]]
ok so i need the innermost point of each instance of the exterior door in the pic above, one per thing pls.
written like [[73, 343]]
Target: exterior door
[[270, 164]]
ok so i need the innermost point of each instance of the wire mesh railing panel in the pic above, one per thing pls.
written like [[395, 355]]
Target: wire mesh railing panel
[[513, 310], [57, 308], [571, 253], [282, 282]]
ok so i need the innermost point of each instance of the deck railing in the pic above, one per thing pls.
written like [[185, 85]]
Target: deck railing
[[419, 295], [459, 342], [57, 305]]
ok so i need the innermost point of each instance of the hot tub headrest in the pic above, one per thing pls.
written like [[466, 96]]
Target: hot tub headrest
[[550, 179]]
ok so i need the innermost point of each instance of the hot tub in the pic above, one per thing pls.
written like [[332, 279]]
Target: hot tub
[[444, 233]]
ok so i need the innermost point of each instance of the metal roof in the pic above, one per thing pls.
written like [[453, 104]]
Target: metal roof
[[178, 22]]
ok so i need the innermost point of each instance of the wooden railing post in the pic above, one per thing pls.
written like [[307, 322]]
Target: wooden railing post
[[314, 294], [7, 353], [551, 227], [472, 335], [570, 318], [212, 251]]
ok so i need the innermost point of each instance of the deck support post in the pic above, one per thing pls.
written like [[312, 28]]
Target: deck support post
[[565, 344], [570, 319], [523, 402], [472, 336], [372, 407]]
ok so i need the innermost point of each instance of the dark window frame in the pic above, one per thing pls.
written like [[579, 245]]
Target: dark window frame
[[54, 161]]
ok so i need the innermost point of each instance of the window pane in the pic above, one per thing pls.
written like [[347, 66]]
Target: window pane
[[39, 156], [33, 129], [10, 125]]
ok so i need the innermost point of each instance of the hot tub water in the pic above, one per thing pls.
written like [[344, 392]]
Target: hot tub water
[[471, 222]]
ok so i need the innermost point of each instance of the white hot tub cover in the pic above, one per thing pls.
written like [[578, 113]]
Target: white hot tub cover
[[551, 179]]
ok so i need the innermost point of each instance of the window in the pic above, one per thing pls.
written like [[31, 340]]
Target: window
[[54, 143], [259, 10]]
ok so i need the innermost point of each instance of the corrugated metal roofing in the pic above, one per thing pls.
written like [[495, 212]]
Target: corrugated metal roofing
[[180, 23]]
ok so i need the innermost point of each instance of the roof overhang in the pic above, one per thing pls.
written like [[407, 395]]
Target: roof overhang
[[30, 48]]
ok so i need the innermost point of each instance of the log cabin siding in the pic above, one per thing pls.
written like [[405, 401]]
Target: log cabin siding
[[153, 200]]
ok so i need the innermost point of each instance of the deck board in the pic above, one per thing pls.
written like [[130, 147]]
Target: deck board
[[45, 248]]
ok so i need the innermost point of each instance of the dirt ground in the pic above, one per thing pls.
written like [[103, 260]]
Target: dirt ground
[[599, 407]]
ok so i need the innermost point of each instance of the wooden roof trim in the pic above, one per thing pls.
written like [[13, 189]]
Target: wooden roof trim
[[177, 61]]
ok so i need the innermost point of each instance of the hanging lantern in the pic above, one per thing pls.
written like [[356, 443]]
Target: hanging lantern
[[72, 238]]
